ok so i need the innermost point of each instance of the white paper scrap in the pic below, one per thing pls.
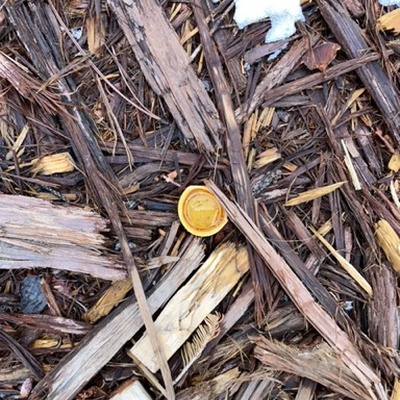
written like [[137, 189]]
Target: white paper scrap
[[283, 15]]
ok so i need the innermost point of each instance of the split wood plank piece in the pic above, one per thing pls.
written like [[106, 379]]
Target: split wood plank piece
[[349, 35], [111, 334], [167, 68], [38, 26], [302, 298], [38, 234], [194, 301]]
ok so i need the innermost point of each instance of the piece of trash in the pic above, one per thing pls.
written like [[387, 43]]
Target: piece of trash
[[283, 15], [32, 300], [200, 212]]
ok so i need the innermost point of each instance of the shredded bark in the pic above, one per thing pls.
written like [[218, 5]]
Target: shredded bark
[[109, 110]]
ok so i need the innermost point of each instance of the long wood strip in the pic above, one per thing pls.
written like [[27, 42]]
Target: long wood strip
[[302, 298], [271, 96], [225, 106]]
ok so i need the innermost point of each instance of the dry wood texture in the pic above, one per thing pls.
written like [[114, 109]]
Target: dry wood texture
[[157, 49], [276, 355], [303, 299], [189, 307], [107, 338], [109, 110], [234, 149], [38, 234]]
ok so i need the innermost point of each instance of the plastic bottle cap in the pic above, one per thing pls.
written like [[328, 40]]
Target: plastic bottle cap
[[200, 212]]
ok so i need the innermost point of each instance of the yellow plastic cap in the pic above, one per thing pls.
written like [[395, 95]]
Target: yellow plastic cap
[[200, 212]]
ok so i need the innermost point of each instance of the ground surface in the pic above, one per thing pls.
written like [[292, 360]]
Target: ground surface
[[112, 109]]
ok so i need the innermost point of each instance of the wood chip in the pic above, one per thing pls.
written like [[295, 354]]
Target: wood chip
[[313, 194], [54, 164], [390, 21], [389, 241]]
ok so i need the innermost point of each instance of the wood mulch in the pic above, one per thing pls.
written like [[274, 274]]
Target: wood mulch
[[109, 111]]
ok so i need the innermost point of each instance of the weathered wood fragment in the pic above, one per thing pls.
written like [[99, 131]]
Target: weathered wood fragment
[[383, 316], [37, 234], [188, 308], [259, 388], [48, 323], [213, 388], [276, 76], [239, 307], [309, 81], [332, 372], [132, 389], [10, 375], [112, 297], [166, 67]]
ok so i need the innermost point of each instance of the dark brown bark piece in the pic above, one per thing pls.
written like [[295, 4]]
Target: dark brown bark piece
[[383, 314], [319, 57], [310, 81]]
